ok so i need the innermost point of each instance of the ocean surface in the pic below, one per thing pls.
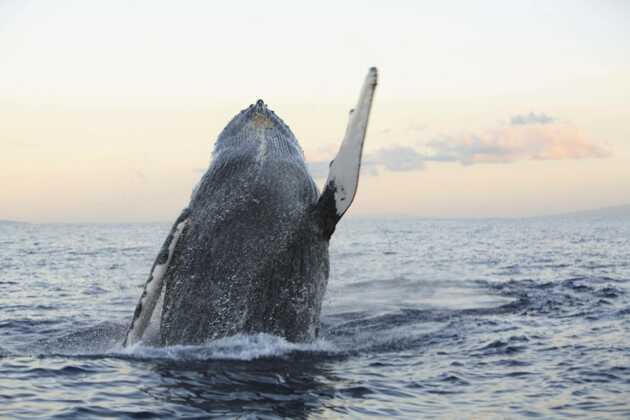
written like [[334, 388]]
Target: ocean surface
[[422, 319]]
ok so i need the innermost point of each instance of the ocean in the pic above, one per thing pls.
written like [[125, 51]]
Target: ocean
[[423, 318]]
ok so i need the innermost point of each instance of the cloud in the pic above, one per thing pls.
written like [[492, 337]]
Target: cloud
[[531, 118], [516, 143], [397, 159], [528, 137]]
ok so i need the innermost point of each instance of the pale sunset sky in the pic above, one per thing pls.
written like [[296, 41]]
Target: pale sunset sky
[[109, 109]]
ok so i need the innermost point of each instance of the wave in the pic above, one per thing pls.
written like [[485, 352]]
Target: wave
[[356, 332], [105, 340], [238, 347]]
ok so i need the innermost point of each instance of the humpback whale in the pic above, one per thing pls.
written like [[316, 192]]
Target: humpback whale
[[249, 254]]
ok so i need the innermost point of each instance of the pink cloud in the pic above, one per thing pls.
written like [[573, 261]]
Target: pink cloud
[[528, 137], [517, 142]]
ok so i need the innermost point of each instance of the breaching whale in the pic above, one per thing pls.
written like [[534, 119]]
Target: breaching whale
[[249, 254]]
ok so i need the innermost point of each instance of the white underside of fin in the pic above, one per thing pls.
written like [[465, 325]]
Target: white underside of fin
[[344, 170], [152, 291]]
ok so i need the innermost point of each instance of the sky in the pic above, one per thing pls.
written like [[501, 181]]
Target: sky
[[109, 109]]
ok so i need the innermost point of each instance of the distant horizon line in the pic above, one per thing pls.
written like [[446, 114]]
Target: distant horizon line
[[607, 211]]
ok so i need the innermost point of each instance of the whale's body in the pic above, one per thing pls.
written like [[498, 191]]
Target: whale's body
[[252, 257], [250, 252]]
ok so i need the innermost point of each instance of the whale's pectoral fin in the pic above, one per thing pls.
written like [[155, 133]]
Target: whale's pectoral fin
[[153, 286], [343, 175]]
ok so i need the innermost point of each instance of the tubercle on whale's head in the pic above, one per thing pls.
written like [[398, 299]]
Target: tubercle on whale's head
[[262, 117], [257, 122], [256, 117]]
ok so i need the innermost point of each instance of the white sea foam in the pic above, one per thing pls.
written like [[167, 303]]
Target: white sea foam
[[238, 347]]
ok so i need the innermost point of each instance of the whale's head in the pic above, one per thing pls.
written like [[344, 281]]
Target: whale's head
[[257, 128]]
